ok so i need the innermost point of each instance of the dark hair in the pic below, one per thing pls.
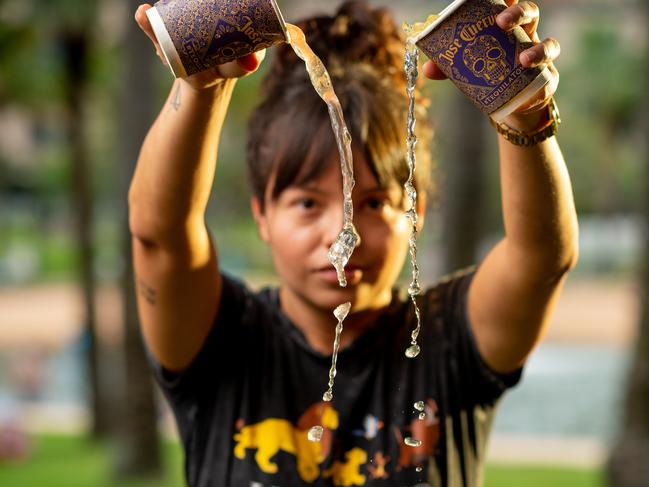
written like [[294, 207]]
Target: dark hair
[[290, 132]]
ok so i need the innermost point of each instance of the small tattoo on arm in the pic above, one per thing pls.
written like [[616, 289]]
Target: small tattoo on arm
[[175, 103], [147, 292]]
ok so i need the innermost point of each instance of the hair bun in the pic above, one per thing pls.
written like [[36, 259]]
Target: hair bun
[[356, 33]]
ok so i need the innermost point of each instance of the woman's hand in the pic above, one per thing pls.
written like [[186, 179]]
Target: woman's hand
[[526, 15], [213, 76]]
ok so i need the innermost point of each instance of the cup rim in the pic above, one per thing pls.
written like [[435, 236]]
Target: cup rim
[[543, 78], [166, 44], [443, 15], [280, 17]]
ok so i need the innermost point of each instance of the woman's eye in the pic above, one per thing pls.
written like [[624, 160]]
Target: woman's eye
[[306, 203], [376, 203]]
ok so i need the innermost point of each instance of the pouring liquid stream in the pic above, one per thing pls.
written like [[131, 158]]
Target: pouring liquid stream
[[348, 239], [411, 59]]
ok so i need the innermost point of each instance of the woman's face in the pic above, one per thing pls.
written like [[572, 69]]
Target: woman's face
[[303, 222]]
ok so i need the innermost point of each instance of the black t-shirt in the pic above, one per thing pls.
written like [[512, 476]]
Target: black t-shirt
[[244, 406]]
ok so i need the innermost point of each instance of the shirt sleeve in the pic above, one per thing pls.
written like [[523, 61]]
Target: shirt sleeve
[[471, 379], [213, 356]]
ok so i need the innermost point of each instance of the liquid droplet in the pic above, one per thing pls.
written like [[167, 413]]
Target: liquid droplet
[[341, 250], [340, 313], [419, 469], [342, 310], [422, 416], [414, 289], [412, 351], [315, 433], [412, 442], [420, 406]]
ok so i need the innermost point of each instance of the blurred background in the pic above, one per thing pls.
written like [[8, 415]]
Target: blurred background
[[80, 85]]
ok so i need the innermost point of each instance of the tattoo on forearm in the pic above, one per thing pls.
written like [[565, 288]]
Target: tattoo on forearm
[[175, 103], [147, 292]]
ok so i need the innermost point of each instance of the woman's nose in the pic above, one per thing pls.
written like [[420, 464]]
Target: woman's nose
[[332, 224]]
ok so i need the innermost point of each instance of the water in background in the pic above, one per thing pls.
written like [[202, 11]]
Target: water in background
[[567, 390]]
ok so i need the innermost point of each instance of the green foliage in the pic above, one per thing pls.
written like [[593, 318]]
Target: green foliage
[[32, 72], [600, 95]]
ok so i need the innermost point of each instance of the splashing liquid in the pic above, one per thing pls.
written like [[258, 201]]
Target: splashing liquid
[[348, 239], [315, 433], [340, 313], [412, 442]]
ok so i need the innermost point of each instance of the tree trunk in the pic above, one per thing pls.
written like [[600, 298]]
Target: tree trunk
[[139, 442], [629, 460], [75, 45], [463, 186], [628, 464]]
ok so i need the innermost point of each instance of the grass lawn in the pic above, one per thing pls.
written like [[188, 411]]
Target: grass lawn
[[535, 476], [74, 461]]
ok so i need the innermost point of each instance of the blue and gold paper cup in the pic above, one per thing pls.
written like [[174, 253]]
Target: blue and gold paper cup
[[195, 35], [480, 58]]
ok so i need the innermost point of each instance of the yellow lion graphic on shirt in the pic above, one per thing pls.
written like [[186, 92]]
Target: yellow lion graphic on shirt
[[348, 474], [270, 436]]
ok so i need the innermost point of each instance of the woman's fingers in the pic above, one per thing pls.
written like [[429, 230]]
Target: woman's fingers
[[523, 14], [251, 62], [526, 15], [432, 71], [242, 66], [540, 54]]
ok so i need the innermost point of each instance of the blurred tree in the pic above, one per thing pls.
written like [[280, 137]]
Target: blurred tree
[[44, 51], [75, 46], [600, 93], [628, 464], [139, 452], [463, 185], [69, 25]]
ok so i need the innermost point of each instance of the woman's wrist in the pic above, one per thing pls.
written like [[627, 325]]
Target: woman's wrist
[[530, 128], [528, 122], [214, 88]]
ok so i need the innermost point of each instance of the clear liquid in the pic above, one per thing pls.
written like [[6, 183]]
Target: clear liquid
[[315, 433], [412, 442], [340, 313], [420, 406], [412, 30], [412, 73], [348, 239]]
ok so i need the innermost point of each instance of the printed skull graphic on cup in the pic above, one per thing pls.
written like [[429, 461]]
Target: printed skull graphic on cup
[[486, 59]]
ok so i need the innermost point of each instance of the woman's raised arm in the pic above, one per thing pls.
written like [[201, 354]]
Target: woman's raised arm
[[175, 261]]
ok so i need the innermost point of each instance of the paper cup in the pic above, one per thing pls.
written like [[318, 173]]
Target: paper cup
[[480, 58], [199, 34]]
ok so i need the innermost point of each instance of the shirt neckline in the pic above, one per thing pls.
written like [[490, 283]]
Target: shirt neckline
[[361, 343]]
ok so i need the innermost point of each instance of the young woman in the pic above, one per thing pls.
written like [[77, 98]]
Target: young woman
[[245, 371]]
